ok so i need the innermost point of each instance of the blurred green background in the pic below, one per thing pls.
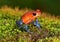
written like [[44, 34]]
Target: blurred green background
[[51, 6]]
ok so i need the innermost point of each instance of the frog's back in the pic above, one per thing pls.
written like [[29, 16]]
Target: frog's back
[[30, 16], [26, 18]]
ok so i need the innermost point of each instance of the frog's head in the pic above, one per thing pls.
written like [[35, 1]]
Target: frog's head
[[37, 13]]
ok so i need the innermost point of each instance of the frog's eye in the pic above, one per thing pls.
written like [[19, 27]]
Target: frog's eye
[[34, 14]]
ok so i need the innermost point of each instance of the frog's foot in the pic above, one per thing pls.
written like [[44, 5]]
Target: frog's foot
[[36, 23], [26, 28]]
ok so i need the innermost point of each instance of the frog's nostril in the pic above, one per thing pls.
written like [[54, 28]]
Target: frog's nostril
[[34, 14]]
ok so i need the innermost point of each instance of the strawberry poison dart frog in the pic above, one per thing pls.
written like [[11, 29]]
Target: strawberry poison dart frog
[[27, 18]]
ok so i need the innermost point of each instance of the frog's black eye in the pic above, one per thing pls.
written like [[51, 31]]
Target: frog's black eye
[[34, 14]]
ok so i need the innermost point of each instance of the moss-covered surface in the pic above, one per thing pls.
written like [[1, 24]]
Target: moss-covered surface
[[9, 32]]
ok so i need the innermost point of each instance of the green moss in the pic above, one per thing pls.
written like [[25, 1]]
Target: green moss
[[9, 32]]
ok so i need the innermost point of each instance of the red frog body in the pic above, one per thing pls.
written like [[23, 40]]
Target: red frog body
[[30, 16], [27, 18]]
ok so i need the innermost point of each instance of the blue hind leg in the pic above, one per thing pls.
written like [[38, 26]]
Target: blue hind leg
[[26, 28], [19, 23]]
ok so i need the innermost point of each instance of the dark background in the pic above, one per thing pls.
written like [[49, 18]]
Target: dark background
[[51, 6]]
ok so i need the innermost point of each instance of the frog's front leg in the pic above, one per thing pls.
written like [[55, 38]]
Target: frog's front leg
[[19, 23], [36, 23]]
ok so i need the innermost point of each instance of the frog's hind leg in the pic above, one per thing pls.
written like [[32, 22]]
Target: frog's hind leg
[[19, 23], [26, 28]]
